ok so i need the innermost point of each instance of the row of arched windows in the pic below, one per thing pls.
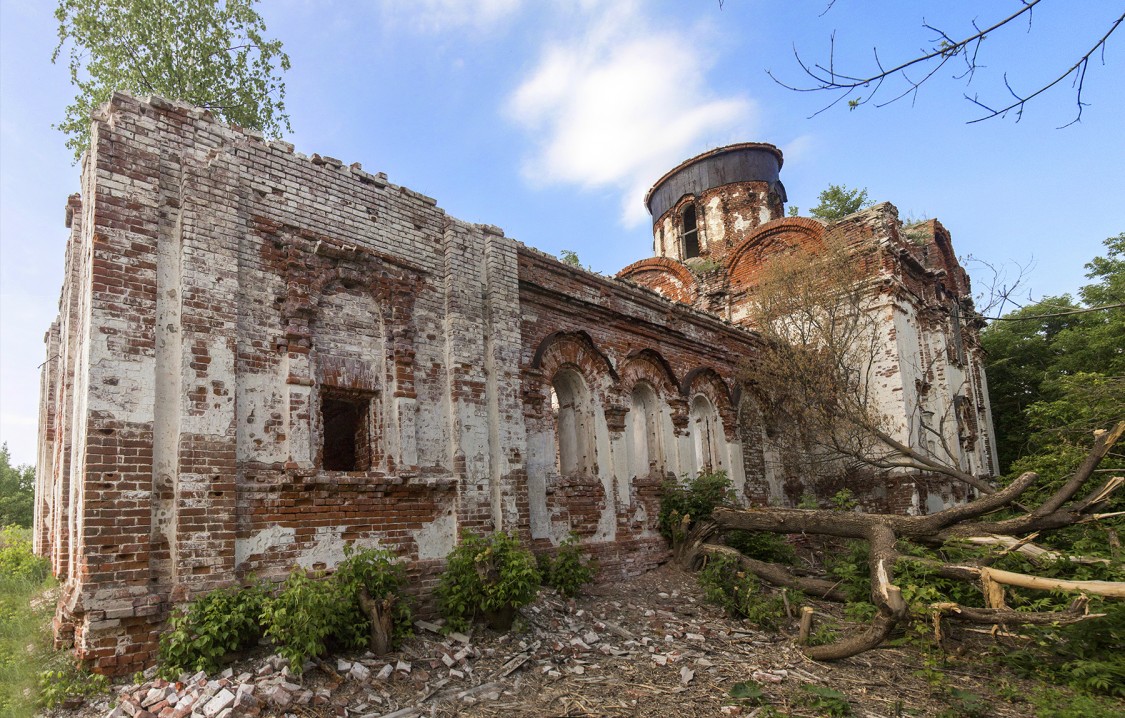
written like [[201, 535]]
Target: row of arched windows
[[647, 430]]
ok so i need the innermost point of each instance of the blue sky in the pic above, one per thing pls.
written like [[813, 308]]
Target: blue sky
[[551, 119]]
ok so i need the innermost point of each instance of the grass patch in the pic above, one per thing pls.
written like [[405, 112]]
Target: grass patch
[[25, 636]]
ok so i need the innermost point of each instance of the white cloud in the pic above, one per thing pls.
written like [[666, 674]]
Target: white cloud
[[442, 15], [799, 149], [619, 103]]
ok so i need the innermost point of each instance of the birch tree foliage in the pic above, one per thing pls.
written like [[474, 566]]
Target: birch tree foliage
[[211, 53]]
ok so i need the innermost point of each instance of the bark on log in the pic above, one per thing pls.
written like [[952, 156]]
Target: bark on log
[[1075, 613], [779, 575], [1103, 442], [852, 525], [382, 621]]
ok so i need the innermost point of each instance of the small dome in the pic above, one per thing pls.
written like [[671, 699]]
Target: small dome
[[743, 162]]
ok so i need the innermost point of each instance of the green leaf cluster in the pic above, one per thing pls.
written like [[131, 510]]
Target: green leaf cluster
[[17, 560], [824, 700], [301, 618], [212, 628], [211, 53], [738, 592], [762, 545], [696, 498], [838, 201], [850, 567], [485, 574], [56, 687], [307, 615], [1054, 379], [1087, 655], [750, 692], [17, 491], [568, 571], [378, 572]]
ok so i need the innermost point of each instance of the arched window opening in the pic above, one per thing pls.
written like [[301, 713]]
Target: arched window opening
[[571, 407], [642, 427], [691, 233], [706, 434]]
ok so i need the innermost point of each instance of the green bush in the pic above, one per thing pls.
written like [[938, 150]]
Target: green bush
[[486, 575], [567, 572], [850, 568], [56, 687], [1054, 703], [379, 573], [762, 545], [1086, 655], [696, 498], [302, 617], [738, 592], [17, 560], [210, 629]]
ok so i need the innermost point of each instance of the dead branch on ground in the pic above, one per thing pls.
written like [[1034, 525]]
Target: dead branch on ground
[[962, 523]]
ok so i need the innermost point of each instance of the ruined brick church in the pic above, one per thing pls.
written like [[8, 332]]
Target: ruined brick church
[[262, 356]]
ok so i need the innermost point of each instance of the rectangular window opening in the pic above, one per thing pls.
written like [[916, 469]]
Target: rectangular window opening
[[345, 420]]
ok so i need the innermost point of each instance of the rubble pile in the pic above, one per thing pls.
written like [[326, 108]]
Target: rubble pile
[[663, 641], [648, 647]]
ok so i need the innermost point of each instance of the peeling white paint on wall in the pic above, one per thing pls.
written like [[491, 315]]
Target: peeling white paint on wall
[[261, 542], [328, 547], [437, 538]]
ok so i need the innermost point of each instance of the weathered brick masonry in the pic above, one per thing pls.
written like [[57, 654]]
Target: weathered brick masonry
[[261, 357]]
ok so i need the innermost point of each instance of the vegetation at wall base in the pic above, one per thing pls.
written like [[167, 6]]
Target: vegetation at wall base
[[486, 575], [307, 616], [32, 672], [375, 608], [569, 570], [212, 629]]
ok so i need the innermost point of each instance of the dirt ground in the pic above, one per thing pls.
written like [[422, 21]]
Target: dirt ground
[[649, 646]]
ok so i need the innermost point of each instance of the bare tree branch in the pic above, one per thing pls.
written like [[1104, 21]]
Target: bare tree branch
[[826, 76]]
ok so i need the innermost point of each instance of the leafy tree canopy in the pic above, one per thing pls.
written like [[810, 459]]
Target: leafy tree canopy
[[17, 488], [1055, 376], [839, 201], [211, 53]]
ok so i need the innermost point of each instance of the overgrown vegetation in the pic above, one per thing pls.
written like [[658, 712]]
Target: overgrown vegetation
[[838, 201], [209, 53], [32, 673], [301, 618], [824, 700], [373, 608], [210, 629], [308, 614], [17, 489], [1056, 373], [695, 498], [569, 570], [490, 576], [740, 594]]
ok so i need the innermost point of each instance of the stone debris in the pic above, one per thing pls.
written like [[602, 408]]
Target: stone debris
[[562, 646]]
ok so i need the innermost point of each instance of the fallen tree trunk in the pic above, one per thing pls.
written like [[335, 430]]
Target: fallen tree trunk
[[881, 531]]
